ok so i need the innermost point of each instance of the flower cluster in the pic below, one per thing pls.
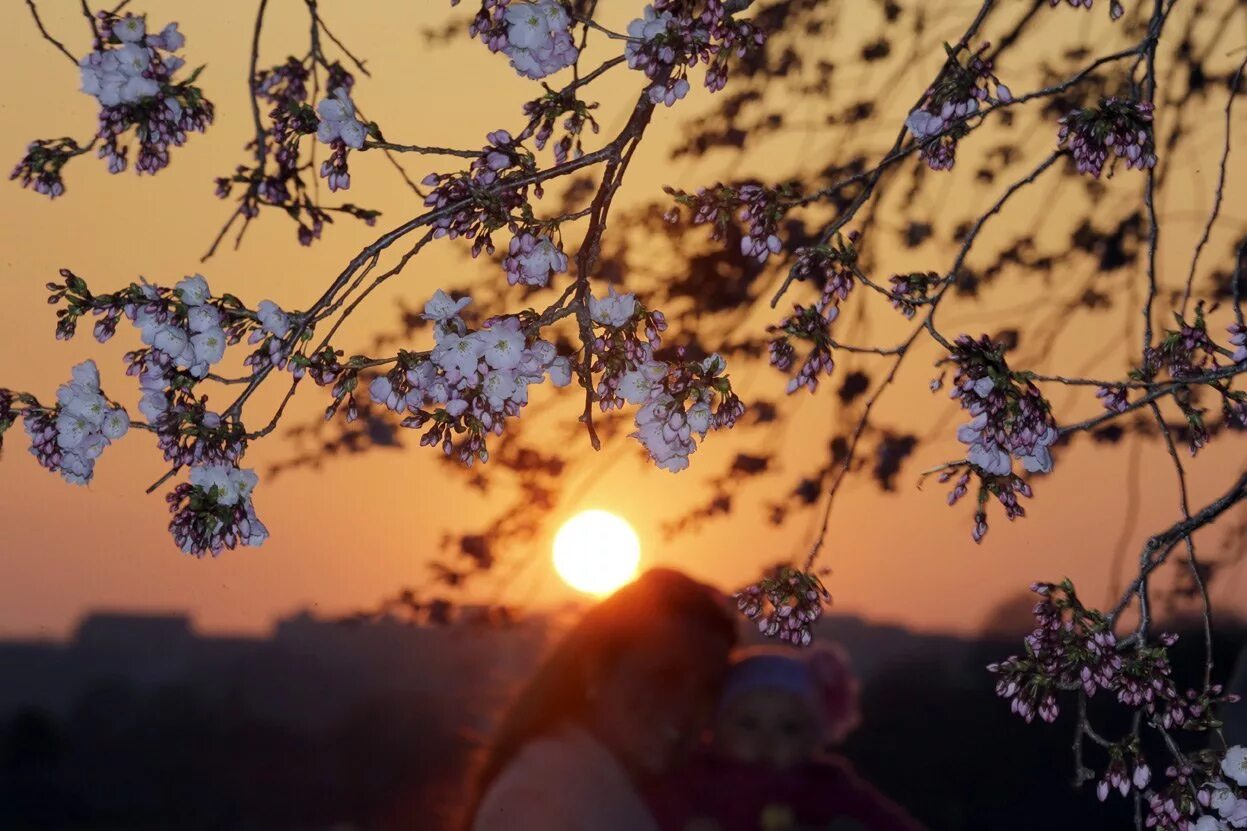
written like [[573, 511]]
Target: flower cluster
[[832, 265], [676, 404], [1238, 339], [41, 167], [1121, 774], [1114, 398], [1073, 647], [618, 350], [1186, 353], [758, 207], [187, 432], [535, 35], [1011, 419], [1223, 799], [677, 399], [673, 35], [275, 324], [539, 38], [285, 87], [533, 258], [1005, 488], [1010, 415], [964, 85], [1197, 796], [473, 204], [912, 290], [131, 75], [471, 382], [785, 604], [214, 511], [121, 75], [1119, 126], [542, 114], [280, 184], [186, 334], [340, 129], [70, 438]]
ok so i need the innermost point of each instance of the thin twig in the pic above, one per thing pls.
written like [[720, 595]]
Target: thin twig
[[34, 12], [1216, 203]]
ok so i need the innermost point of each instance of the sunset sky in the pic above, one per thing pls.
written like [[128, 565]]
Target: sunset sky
[[359, 528]]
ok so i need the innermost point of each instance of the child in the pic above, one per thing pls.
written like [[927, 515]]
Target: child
[[766, 770]]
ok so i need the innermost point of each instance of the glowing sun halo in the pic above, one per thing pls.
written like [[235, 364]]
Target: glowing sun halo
[[596, 552]]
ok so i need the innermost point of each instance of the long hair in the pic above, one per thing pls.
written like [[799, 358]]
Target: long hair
[[556, 693]]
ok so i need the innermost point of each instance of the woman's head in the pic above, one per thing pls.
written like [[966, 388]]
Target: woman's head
[[779, 706], [641, 671], [649, 697]]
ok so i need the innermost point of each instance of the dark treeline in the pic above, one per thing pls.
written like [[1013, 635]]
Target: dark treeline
[[125, 756]]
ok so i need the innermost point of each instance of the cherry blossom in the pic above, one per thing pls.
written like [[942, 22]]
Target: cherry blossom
[[532, 260], [482, 208], [672, 35], [539, 40], [130, 74], [832, 266], [614, 310], [966, 83], [1010, 416], [338, 121], [214, 510], [40, 169], [1234, 765], [470, 383], [785, 604], [759, 208], [1118, 126], [69, 438]]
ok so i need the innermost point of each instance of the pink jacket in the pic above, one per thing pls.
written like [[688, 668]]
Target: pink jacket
[[813, 797]]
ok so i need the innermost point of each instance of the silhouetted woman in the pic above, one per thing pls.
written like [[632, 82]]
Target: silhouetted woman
[[623, 698]]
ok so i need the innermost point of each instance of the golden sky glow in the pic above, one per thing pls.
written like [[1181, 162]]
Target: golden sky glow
[[359, 528]]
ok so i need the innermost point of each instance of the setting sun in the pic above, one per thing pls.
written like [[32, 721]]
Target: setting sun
[[596, 552]]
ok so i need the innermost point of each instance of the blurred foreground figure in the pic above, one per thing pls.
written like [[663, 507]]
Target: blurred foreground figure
[[621, 701], [768, 769]]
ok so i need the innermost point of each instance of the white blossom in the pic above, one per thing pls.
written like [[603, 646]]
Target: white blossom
[[539, 40], [338, 121], [503, 344], [1234, 765], [613, 310], [272, 318], [130, 29], [441, 308], [193, 290]]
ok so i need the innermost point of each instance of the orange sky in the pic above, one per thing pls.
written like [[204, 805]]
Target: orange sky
[[353, 532]]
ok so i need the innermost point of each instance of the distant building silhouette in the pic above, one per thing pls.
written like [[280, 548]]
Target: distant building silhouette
[[309, 670]]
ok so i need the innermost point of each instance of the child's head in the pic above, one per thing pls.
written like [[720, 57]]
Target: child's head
[[779, 707]]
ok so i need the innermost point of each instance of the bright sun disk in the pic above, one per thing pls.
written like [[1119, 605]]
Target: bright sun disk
[[596, 552]]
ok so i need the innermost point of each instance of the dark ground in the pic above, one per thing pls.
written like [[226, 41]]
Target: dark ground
[[138, 723]]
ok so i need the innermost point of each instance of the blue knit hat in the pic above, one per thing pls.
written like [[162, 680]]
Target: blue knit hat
[[821, 677], [769, 669]]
